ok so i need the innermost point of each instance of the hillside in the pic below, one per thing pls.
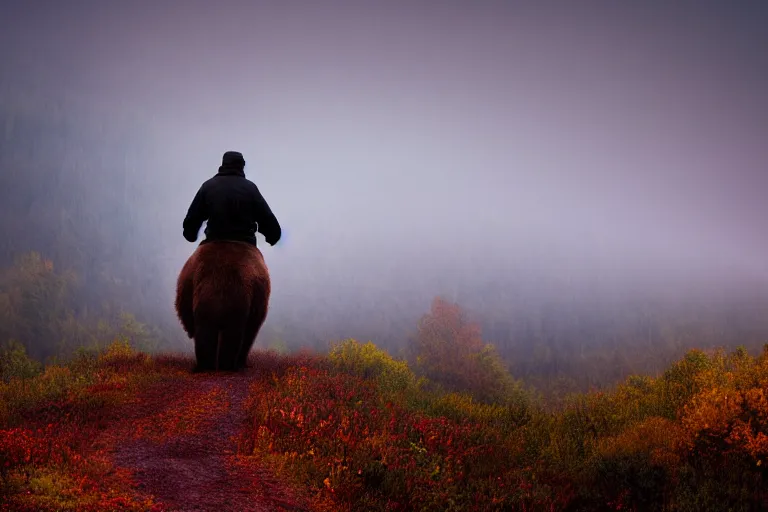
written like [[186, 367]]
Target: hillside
[[357, 430]]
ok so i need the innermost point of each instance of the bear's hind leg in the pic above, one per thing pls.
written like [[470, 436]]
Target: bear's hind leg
[[256, 317], [229, 345], [255, 321], [206, 341]]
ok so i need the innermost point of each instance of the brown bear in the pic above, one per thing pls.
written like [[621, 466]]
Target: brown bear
[[222, 295]]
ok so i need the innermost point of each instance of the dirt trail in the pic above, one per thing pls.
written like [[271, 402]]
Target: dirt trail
[[179, 441]]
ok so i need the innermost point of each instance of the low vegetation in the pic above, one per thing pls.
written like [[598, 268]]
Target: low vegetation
[[360, 430], [692, 439], [48, 423]]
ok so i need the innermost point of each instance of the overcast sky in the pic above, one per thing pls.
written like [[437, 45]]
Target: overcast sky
[[436, 138]]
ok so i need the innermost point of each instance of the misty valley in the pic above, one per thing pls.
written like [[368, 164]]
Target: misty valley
[[513, 259], [519, 393]]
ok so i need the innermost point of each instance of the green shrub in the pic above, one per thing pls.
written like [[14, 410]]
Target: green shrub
[[679, 381], [368, 361], [461, 407], [15, 363]]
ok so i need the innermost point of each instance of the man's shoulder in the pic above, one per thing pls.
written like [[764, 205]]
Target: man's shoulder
[[217, 179], [207, 183], [251, 185]]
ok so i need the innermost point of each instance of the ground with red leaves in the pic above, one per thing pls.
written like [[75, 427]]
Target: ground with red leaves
[[178, 439]]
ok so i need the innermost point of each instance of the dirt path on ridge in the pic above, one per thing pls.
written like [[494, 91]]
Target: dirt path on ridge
[[179, 442]]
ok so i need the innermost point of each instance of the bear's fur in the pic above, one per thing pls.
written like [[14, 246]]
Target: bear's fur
[[222, 297]]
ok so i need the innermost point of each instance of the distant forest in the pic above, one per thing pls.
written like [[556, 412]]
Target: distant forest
[[78, 268], [72, 269]]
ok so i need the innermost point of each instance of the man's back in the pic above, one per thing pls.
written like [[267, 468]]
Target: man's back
[[233, 207]]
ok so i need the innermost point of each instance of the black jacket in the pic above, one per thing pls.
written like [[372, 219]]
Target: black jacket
[[233, 206]]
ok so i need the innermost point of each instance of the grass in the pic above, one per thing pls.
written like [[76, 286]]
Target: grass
[[359, 431], [48, 460]]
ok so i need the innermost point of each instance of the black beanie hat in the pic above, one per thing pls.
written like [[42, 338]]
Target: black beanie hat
[[233, 159]]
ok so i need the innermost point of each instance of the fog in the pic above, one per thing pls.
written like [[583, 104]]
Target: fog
[[414, 149]]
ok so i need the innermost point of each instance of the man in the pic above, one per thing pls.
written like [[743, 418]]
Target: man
[[233, 207]]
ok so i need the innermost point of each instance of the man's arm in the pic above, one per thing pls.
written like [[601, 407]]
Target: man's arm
[[196, 215], [268, 225]]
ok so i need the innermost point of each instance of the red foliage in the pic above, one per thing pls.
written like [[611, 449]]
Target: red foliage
[[57, 448], [333, 430]]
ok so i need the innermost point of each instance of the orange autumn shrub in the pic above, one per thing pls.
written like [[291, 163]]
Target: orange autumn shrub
[[710, 415], [750, 431], [637, 466], [731, 419]]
